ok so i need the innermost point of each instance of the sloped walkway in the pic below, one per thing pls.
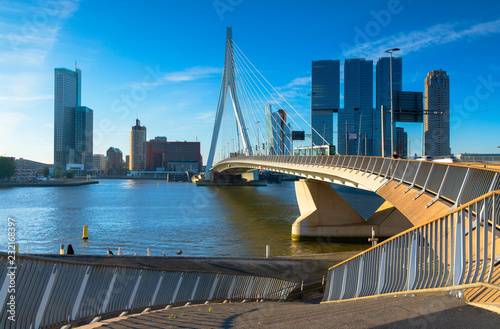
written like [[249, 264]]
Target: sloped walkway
[[431, 311]]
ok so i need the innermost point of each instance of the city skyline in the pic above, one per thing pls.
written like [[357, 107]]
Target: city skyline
[[166, 69]]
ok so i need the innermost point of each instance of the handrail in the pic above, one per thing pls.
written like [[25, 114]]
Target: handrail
[[450, 182], [456, 248], [52, 293]]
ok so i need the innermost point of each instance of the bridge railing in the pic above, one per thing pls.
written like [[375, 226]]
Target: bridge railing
[[456, 249], [48, 293], [457, 184]]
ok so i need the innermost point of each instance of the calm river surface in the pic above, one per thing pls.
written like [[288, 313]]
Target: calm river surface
[[136, 214]]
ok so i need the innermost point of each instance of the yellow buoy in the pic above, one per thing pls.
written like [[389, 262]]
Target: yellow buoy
[[85, 236]]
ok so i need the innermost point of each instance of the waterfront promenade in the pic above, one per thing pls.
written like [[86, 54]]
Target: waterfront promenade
[[423, 311], [426, 310]]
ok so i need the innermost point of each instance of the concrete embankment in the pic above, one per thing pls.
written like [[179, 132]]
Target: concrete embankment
[[290, 268], [49, 183]]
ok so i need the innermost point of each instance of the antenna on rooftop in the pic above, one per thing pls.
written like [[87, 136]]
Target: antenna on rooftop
[[75, 65]]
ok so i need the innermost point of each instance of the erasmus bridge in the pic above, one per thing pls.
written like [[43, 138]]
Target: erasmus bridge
[[440, 224]]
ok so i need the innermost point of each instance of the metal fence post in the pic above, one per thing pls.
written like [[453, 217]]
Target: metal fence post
[[412, 262], [155, 294], [110, 290], [45, 298], [381, 271]]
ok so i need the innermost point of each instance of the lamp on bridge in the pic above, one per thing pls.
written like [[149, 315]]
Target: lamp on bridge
[[311, 95], [390, 51]]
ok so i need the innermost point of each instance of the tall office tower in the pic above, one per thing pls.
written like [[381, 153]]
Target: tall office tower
[[383, 97], [355, 120], [325, 85], [401, 142], [137, 147], [67, 96], [437, 117], [84, 137], [279, 133]]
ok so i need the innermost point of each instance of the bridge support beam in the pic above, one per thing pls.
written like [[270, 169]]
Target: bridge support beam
[[325, 214]]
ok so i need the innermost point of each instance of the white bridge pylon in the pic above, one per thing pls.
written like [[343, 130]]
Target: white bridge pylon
[[228, 84]]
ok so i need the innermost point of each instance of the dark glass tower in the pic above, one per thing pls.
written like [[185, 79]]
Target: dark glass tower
[[325, 82]]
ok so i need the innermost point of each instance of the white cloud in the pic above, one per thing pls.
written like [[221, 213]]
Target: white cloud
[[417, 40], [205, 116], [192, 73], [299, 82]]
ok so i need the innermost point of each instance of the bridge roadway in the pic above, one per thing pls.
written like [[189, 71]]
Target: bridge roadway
[[415, 191]]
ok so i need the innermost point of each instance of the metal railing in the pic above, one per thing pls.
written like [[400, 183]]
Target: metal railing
[[458, 248], [455, 183], [49, 293]]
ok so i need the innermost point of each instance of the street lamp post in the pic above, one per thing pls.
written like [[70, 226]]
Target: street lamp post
[[312, 144], [390, 51]]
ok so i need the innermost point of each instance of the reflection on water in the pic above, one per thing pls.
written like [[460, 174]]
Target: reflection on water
[[136, 214]]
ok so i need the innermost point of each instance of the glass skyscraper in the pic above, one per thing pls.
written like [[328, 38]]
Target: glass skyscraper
[[325, 84], [84, 137], [355, 120], [279, 133], [73, 124], [383, 97], [437, 117]]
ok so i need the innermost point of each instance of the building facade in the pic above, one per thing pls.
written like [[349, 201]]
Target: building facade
[[84, 137], [67, 96], [355, 120], [279, 133], [401, 142], [163, 155], [383, 97], [137, 147], [437, 117], [115, 158], [325, 99], [100, 163]]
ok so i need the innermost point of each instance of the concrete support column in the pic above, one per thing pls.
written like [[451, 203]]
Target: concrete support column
[[323, 213]]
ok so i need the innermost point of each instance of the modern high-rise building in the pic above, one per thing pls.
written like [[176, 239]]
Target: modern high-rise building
[[355, 120], [137, 147], [73, 123], [84, 137], [437, 117], [401, 142], [325, 99], [279, 133], [67, 96], [383, 97]]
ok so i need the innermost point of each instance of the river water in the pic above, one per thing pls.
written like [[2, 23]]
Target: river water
[[166, 217]]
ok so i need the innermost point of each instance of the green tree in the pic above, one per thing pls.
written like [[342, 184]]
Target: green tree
[[69, 174], [7, 168], [45, 171], [57, 174]]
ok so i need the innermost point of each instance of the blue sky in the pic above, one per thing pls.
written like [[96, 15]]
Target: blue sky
[[176, 49]]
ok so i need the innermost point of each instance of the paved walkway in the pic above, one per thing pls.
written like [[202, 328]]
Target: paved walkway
[[434, 311]]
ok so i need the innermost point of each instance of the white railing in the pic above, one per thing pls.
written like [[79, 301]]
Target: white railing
[[457, 184], [457, 249], [50, 293]]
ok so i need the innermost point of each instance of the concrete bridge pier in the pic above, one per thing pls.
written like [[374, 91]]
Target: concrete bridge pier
[[325, 214]]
